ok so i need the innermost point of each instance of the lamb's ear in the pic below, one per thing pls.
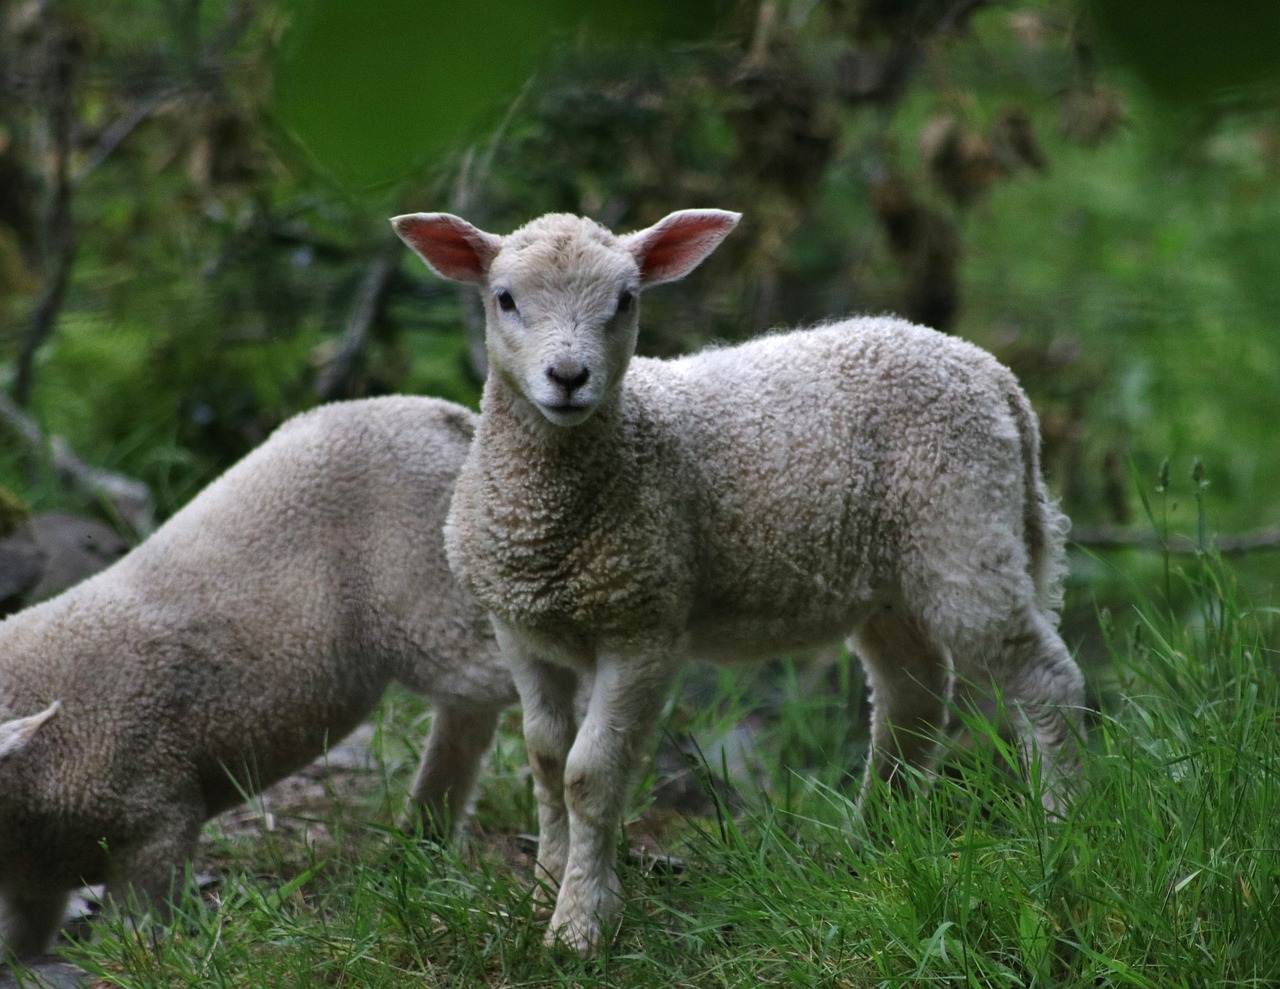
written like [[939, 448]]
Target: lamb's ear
[[678, 243], [451, 246], [15, 734]]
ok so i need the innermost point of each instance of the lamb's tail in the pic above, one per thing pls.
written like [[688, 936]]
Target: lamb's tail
[[1045, 527]]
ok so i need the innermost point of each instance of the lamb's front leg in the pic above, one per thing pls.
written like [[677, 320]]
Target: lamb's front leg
[[626, 700], [28, 922], [148, 875], [550, 724]]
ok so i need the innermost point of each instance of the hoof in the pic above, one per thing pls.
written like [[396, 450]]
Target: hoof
[[581, 941]]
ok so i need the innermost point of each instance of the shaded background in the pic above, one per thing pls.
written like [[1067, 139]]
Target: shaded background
[[194, 193]]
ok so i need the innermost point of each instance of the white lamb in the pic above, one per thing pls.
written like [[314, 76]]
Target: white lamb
[[868, 479], [261, 623]]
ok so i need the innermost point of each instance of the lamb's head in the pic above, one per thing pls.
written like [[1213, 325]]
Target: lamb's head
[[561, 294]]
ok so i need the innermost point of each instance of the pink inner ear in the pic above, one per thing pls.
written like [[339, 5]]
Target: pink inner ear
[[452, 247], [447, 251], [678, 244]]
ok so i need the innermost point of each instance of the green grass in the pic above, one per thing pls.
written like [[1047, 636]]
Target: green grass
[[1166, 873]]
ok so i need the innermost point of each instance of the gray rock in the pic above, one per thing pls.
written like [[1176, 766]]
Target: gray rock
[[46, 972], [21, 566], [74, 548]]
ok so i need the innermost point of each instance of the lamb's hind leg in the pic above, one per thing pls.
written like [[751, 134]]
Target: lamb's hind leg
[[1043, 692], [456, 744], [910, 682]]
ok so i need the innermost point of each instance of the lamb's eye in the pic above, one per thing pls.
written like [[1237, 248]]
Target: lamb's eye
[[506, 302], [625, 299]]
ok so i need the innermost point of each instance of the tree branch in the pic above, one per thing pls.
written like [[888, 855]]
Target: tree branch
[[129, 499], [57, 235], [336, 379], [1229, 545], [112, 137]]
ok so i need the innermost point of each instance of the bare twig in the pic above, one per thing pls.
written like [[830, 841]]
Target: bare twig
[[113, 136], [766, 21], [215, 52], [336, 380], [127, 497], [57, 235], [1230, 545]]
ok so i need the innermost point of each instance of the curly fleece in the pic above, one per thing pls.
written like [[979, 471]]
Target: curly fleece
[[255, 628], [868, 479]]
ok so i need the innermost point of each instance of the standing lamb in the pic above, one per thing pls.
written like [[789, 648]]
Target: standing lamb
[[868, 479], [260, 624]]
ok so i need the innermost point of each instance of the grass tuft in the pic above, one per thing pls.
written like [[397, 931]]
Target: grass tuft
[[1165, 872]]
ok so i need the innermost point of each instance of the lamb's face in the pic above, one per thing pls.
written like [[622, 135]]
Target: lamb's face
[[561, 294], [562, 306]]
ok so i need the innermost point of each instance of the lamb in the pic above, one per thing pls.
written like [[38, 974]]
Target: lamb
[[258, 625], [869, 479]]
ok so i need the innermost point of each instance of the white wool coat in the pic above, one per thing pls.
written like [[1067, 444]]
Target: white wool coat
[[766, 497]]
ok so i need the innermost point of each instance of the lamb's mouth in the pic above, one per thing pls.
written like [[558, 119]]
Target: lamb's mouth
[[566, 413]]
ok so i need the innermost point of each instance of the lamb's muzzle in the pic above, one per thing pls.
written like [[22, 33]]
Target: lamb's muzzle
[[568, 375]]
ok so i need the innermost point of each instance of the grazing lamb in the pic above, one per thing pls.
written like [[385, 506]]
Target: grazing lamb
[[261, 623], [868, 479]]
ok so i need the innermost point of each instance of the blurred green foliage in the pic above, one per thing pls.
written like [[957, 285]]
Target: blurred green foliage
[[1189, 51], [372, 92], [1066, 185]]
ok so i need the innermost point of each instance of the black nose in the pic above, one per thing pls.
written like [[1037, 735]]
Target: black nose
[[569, 375]]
